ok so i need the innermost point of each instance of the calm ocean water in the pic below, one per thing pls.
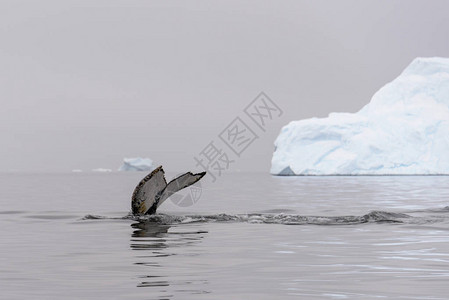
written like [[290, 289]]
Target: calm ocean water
[[250, 236]]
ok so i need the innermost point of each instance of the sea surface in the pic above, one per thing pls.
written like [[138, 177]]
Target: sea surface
[[244, 236]]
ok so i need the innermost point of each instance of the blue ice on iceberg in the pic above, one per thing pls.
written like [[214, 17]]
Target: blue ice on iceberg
[[403, 130], [136, 164]]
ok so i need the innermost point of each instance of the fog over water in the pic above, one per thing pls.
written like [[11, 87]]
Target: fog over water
[[85, 83]]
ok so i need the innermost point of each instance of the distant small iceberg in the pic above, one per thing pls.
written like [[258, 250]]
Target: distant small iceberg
[[404, 130], [137, 164], [77, 171], [102, 170]]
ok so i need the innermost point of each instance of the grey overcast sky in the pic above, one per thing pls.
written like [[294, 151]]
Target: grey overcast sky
[[85, 83]]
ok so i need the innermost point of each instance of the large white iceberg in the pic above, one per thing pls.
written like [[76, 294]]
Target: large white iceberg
[[403, 130], [136, 164]]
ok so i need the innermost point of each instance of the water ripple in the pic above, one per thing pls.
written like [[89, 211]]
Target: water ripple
[[289, 219]]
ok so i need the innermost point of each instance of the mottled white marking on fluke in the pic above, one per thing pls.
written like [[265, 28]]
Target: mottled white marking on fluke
[[153, 190]]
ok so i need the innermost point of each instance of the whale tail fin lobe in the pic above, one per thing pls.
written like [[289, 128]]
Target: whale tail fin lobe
[[178, 184], [145, 193]]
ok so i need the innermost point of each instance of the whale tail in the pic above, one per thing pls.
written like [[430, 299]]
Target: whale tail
[[145, 193], [153, 190]]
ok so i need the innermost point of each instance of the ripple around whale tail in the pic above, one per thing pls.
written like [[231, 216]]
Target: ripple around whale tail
[[285, 219]]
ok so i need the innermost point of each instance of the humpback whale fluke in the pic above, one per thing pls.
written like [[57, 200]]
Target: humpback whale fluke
[[153, 190]]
